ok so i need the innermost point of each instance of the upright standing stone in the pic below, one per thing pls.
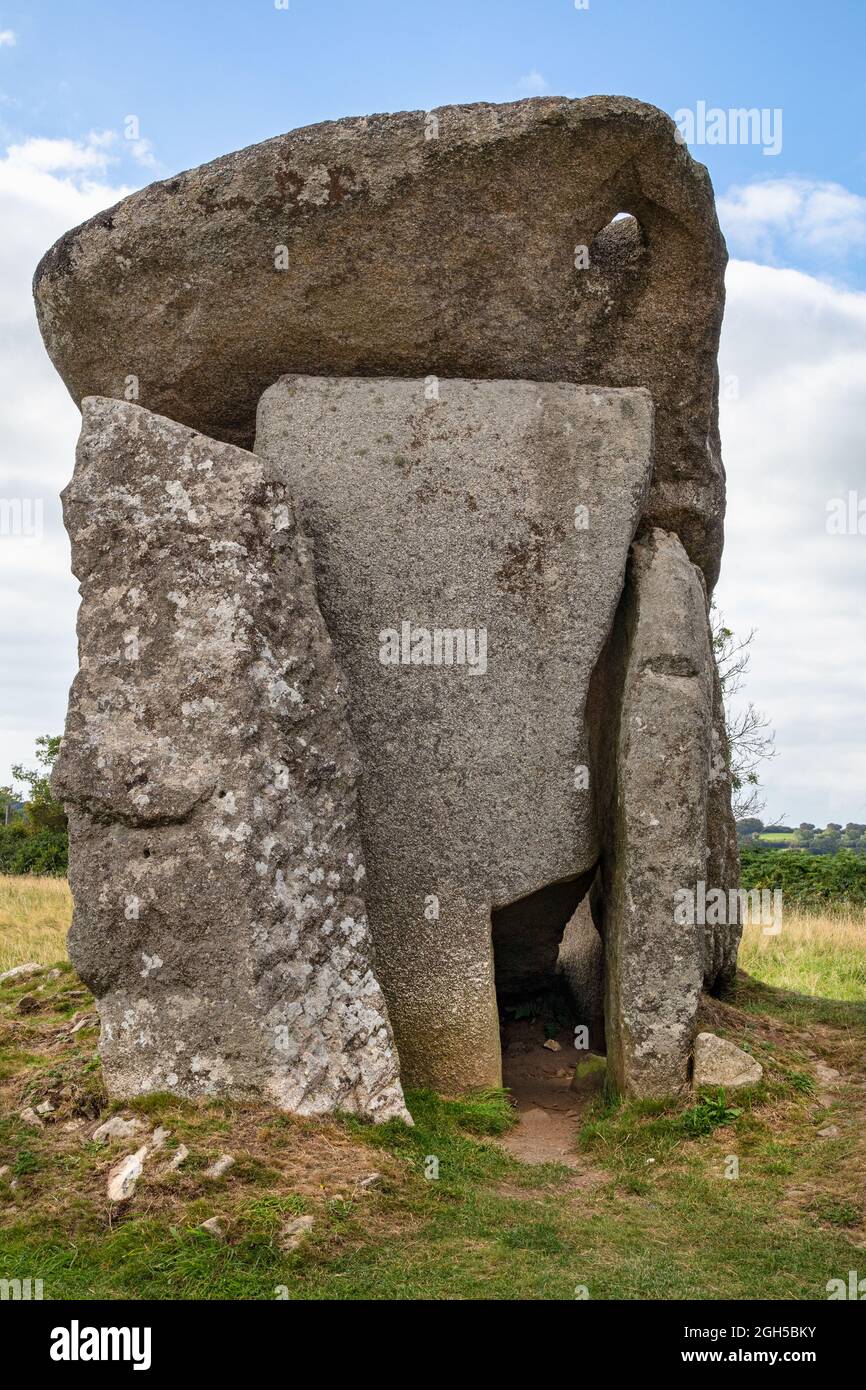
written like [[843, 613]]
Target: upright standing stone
[[497, 514], [209, 778], [656, 846]]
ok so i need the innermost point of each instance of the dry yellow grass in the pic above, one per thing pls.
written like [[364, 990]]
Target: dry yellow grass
[[34, 918], [818, 955]]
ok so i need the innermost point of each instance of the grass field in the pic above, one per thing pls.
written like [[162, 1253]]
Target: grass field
[[647, 1212], [821, 955], [34, 918]]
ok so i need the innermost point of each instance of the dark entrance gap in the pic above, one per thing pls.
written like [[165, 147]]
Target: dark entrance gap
[[527, 934], [534, 994]]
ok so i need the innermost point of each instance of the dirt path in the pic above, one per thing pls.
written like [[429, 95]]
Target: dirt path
[[540, 1081]]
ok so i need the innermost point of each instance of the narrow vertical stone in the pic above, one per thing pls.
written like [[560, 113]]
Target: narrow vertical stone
[[657, 849], [209, 777]]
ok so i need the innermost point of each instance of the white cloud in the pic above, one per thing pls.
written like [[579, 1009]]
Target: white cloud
[[7, 38], [142, 153], [45, 156], [46, 187], [794, 439], [532, 83], [779, 220]]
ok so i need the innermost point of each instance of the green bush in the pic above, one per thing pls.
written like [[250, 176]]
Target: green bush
[[11, 839], [808, 881], [37, 842], [26, 851]]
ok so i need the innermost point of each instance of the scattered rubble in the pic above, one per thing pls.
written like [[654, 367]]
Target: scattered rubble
[[295, 1232], [220, 1166], [124, 1176], [21, 972], [117, 1128]]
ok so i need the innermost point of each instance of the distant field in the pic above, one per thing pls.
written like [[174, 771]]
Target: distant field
[[776, 837]]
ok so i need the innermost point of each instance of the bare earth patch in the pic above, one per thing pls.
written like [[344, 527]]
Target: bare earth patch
[[540, 1082]]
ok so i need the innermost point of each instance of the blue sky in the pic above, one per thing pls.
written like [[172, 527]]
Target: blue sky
[[213, 76], [208, 77]]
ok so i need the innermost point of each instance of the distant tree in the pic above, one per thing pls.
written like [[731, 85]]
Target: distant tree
[[749, 825], [751, 739], [40, 808], [9, 805], [826, 841], [854, 837]]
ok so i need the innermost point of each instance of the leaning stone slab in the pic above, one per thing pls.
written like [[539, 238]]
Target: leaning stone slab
[[581, 963], [470, 546], [209, 778], [657, 840], [470, 241], [721, 1063]]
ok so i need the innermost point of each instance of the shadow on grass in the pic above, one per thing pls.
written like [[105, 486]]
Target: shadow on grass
[[753, 996]]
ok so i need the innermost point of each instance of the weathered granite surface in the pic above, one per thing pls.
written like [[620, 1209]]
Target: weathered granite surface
[[209, 776], [431, 287], [473, 241], [506, 509], [656, 846], [723, 853], [581, 963]]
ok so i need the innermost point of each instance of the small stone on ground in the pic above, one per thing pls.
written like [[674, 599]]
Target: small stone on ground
[[220, 1166], [721, 1063], [124, 1176]]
